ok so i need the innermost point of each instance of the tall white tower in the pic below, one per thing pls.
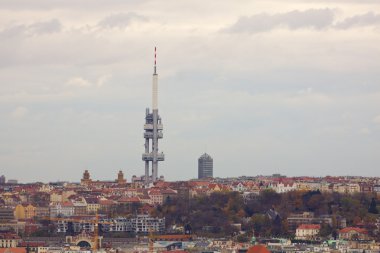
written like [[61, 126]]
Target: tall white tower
[[153, 131]]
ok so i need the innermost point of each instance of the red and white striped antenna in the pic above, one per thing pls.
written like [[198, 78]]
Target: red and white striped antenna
[[155, 60]]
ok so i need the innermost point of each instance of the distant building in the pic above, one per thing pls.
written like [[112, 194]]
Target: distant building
[[2, 179], [120, 178], [205, 166], [353, 233], [12, 181], [9, 240], [86, 179], [136, 224], [307, 231], [6, 214], [295, 220]]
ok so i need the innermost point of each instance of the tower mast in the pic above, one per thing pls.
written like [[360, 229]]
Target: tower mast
[[153, 131]]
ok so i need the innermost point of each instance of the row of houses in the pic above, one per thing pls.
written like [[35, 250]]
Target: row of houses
[[311, 232], [142, 223], [39, 194], [75, 204]]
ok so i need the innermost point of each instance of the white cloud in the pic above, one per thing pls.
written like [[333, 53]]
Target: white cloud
[[19, 112], [121, 20], [102, 80], [78, 82], [365, 131], [377, 119]]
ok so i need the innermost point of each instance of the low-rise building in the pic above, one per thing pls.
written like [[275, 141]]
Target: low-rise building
[[65, 209], [9, 240], [6, 214], [353, 233], [137, 224], [307, 231]]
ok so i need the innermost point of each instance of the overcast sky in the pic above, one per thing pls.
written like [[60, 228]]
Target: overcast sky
[[270, 86]]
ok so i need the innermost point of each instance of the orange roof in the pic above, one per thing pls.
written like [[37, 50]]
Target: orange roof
[[258, 249], [13, 250], [174, 251]]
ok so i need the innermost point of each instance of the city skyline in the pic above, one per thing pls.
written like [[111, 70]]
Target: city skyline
[[288, 87]]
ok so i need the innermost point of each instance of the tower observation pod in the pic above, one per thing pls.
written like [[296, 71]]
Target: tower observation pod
[[152, 132]]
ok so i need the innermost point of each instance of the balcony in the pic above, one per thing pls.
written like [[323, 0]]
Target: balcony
[[150, 127], [149, 157], [149, 135]]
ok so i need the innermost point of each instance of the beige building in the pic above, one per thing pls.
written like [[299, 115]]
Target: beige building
[[346, 188], [308, 231], [24, 211], [353, 233], [93, 206], [9, 240], [42, 211]]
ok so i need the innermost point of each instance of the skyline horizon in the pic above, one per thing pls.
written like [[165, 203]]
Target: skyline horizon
[[129, 178]]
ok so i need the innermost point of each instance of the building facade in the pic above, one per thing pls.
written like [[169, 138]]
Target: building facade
[[308, 231], [205, 166], [137, 224]]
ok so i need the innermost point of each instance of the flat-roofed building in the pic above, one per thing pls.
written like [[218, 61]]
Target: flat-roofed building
[[205, 166]]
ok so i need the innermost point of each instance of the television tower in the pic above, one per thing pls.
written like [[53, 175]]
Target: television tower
[[153, 131]]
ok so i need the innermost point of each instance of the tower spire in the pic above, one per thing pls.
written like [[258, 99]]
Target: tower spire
[[155, 83], [155, 61]]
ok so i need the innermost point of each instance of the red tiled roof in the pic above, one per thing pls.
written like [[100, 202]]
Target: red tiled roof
[[67, 204], [349, 229], [174, 251], [129, 200], [13, 250], [168, 191], [106, 202], [9, 236], [309, 226]]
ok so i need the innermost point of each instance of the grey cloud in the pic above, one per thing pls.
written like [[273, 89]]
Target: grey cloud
[[312, 18], [12, 31], [367, 19], [38, 28], [66, 4], [51, 26], [121, 20]]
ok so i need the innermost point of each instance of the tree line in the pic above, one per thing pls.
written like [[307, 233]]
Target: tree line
[[218, 213]]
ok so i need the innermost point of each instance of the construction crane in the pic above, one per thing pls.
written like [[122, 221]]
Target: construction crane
[[95, 221]]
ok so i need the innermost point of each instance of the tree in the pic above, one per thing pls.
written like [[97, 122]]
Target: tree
[[372, 207], [242, 238], [261, 224], [326, 230]]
